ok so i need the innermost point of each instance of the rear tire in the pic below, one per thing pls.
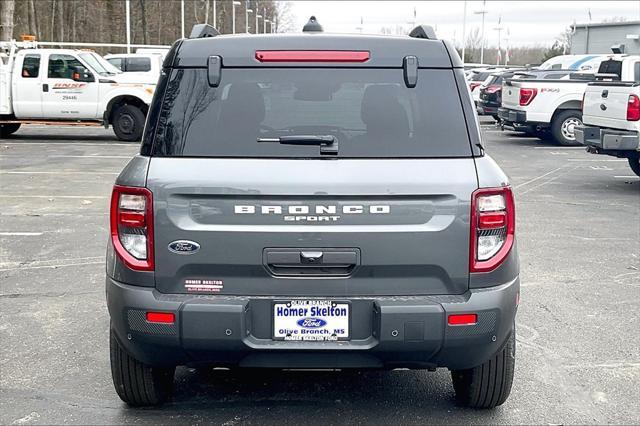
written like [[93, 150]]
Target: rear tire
[[136, 383], [563, 127], [634, 163], [487, 385], [128, 123], [8, 129]]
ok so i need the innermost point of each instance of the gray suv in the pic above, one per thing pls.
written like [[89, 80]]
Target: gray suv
[[312, 201]]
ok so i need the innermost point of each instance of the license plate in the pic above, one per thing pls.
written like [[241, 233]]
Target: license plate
[[311, 320]]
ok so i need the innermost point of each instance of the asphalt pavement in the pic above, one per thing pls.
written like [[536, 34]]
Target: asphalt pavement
[[578, 341]]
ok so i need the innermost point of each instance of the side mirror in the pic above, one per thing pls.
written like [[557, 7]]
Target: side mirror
[[82, 74]]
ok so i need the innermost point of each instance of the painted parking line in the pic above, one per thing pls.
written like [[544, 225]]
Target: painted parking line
[[20, 234], [559, 148], [538, 177], [627, 177], [589, 159]]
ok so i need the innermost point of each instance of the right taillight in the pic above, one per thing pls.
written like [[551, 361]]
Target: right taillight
[[527, 95], [492, 228], [472, 86], [633, 108], [132, 226]]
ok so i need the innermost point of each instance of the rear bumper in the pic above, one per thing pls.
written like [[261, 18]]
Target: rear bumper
[[386, 332], [608, 139], [512, 115], [487, 108]]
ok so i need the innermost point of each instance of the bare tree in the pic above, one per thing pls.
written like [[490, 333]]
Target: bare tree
[[6, 19]]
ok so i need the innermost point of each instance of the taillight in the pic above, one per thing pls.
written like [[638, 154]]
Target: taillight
[[472, 86], [527, 95], [312, 55], [132, 226], [633, 108], [492, 228], [492, 89]]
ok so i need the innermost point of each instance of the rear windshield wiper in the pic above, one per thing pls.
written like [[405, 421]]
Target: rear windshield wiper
[[328, 143]]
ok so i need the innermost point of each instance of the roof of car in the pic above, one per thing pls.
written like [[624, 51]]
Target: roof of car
[[385, 51]]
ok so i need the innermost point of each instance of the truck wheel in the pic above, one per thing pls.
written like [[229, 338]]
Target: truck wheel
[[563, 127], [128, 123], [487, 385], [136, 383], [8, 129], [634, 163]]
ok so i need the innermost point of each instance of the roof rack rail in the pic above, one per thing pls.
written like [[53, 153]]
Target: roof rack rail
[[202, 31], [423, 31]]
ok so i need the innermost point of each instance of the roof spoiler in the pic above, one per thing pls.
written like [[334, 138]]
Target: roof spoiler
[[423, 31], [203, 31]]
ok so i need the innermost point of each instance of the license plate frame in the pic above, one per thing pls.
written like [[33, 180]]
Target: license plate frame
[[282, 324]]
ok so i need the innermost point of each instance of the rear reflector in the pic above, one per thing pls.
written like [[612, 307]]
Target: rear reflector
[[462, 319], [312, 55], [161, 317], [492, 220]]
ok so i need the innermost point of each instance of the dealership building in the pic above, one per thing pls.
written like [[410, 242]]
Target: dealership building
[[602, 37]]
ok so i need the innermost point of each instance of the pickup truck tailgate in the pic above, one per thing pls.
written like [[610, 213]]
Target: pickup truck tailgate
[[605, 105], [510, 96]]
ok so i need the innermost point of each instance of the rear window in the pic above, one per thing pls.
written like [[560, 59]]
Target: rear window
[[480, 76], [138, 64], [610, 67], [370, 112]]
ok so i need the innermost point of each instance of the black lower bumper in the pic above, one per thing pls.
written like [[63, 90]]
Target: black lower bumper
[[386, 332], [487, 108], [608, 140], [512, 116]]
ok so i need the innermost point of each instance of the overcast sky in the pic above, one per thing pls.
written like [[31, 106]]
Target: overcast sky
[[527, 22]]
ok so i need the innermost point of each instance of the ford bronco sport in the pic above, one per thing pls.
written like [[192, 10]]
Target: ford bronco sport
[[312, 201]]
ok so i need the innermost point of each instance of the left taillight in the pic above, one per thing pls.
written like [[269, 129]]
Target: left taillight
[[132, 226], [527, 95], [492, 228]]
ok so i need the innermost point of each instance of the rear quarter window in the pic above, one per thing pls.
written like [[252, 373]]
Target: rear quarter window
[[369, 111], [138, 64]]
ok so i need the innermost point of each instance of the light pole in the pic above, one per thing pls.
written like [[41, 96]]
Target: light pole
[[464, 30], [246, 19], [215, 16], [128, 19], [233, 15], [499, 29], [257, 16], [274, 25], [482, 12], [264, 20]]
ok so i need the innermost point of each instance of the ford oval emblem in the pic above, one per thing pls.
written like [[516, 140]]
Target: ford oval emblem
[[312, 322], [184, 247]]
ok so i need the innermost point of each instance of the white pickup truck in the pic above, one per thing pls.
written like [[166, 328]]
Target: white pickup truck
[[540, 106], [611, 116], [53, 86]]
